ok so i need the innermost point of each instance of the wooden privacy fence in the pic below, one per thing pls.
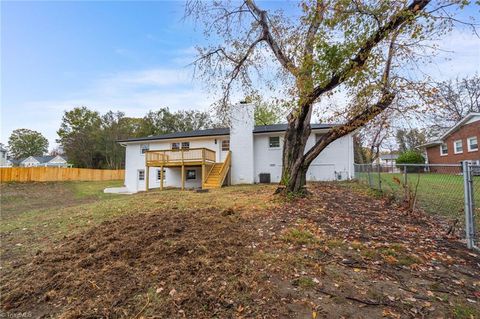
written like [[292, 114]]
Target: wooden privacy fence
[[58, 174]]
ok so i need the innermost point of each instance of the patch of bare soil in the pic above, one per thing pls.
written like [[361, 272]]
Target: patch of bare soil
[[167, 264], [335, 254]]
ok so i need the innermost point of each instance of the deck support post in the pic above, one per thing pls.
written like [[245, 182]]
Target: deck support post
[[183, 177], [147, 171], [203, 167], [161, 178], [147, 174]]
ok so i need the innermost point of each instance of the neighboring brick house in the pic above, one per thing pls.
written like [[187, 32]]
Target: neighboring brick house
[[459, 143]]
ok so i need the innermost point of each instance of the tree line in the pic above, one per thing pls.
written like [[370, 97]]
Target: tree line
[[89, 139]]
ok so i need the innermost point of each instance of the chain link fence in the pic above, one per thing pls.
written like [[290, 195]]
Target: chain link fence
[[472, 204], [435, 188]]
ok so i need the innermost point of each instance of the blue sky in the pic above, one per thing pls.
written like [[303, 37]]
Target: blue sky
[[128, 56]]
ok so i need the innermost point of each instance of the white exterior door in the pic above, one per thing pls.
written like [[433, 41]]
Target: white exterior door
[[141, 186]]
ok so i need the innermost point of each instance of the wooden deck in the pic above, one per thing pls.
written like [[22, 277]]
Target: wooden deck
[[203, 157], [180, 157]]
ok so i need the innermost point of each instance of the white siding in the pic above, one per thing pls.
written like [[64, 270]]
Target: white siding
[[241, 144], [29, 161], [135, 160], [336, 159]]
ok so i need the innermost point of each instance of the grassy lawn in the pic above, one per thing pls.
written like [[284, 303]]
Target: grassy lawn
[[68, 250], [436, 193]]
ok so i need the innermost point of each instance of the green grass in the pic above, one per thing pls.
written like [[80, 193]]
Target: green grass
[[436, 193], [462, 311], [93, 189], [298, 236]]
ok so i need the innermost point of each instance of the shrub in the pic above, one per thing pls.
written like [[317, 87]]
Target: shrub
[[410, 157]]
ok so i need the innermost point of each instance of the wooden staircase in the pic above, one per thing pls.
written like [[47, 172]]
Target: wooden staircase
[[218, 173]]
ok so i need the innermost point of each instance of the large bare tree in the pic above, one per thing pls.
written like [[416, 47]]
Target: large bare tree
[[457, 98], [307, 53]]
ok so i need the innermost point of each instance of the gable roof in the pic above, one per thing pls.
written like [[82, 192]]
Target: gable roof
[[221, 131], [451, 130], [388, 156], [42, 159]]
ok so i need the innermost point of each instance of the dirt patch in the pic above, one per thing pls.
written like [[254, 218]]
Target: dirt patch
[[194, 263], [335, 254]]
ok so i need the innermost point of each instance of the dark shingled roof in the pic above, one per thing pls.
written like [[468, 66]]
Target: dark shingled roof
[[221, 131]]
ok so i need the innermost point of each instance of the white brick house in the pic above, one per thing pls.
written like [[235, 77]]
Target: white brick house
[[241, 154]]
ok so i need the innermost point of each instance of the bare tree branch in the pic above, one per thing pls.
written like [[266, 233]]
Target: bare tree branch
[[261, 17]]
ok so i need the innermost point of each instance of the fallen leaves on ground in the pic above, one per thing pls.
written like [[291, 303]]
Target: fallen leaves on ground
[[334, 254]]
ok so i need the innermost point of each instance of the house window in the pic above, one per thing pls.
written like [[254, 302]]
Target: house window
[[472, 143], [225, 145], [141, 175], [186, 145], [458, 147], [274, 141], [144, 148], [175, 146], [443, 149], [159, 174], [191, 174]]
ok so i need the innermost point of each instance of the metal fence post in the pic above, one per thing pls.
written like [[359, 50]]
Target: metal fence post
[[468, 196], [379, 178], [369, 168]]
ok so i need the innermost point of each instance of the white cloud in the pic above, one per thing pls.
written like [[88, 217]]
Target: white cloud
[[133, 92], [159, 77], [459, 55]]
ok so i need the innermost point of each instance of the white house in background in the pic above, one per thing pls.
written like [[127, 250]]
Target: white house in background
[[387, 159], [44, 161], [4, 161], [241, 154]]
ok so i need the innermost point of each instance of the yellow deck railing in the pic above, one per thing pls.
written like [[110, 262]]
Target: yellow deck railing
[[225, 168], [192, 156]]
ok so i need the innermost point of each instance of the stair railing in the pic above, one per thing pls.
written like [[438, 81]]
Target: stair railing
[[225, 168]]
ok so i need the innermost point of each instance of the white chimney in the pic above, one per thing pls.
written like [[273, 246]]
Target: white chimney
[[242, 123]]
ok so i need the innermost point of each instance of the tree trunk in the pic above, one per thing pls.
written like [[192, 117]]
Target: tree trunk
[[294, 173]]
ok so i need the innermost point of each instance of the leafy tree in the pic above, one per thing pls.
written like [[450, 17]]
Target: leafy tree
[[115, 126], [265, 115], [409, 139], [90, 139], [24, 143], [410, 157], [163, 121], [79, 134], [266, 112], [324, 46]]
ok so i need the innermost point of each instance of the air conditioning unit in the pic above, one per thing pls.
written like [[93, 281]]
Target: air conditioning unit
[[264, 178]]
